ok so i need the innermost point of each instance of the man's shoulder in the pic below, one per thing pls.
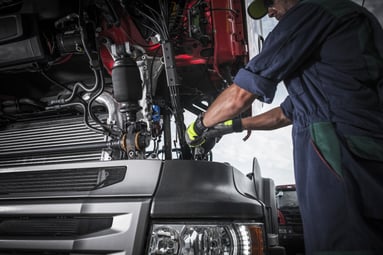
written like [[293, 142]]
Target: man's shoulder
[[337, 8]]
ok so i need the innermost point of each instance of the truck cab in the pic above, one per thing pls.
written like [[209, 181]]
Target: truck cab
[[93, 158]]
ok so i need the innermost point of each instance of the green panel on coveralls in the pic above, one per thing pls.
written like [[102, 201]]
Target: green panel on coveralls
[[327, 142]]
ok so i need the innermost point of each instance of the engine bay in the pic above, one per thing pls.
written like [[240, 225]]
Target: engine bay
[[110, 76]]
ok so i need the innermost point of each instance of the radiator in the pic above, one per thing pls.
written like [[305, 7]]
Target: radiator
[[36, 142]]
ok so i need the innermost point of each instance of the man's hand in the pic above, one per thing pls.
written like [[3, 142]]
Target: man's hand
[[223, 128], [197, 134], [194, 133]]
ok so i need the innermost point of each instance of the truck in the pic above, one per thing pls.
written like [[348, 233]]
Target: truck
[[289, 219], [93, 158]]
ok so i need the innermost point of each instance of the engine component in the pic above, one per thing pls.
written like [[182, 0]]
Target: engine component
[[19, 41], [52, 140], [135, 141], [173, 83], [127, 86], [22, 143], [72, 34], [20, 106], [198, 23], [69, 42], [12, 27]]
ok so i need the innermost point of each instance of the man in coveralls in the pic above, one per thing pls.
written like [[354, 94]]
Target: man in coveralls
[[329, 53]]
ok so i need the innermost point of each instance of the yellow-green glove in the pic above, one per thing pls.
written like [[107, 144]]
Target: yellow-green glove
[[194, 133]]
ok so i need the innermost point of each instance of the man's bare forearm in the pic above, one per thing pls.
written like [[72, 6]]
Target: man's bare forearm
[[234, 100], [231, 102], [273, 119]]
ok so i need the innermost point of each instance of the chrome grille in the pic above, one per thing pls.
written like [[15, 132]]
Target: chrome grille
[[19, 140], [60, 226], [65, 180]]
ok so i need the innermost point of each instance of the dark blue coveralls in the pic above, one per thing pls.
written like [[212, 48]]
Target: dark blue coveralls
[[329, 53]]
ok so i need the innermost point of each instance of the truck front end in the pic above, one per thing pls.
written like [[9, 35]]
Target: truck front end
[[93, 158]]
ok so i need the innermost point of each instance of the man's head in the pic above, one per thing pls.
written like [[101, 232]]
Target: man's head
[[274, 8]]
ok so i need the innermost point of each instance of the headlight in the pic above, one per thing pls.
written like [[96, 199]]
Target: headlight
[[206, 239]]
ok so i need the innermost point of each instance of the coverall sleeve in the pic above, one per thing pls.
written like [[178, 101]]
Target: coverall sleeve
[[287, 49], [287, 108]]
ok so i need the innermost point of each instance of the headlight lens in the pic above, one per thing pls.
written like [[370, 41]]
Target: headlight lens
[[209, 239]]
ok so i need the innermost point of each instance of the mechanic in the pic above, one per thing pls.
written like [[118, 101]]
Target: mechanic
[[329, 54]]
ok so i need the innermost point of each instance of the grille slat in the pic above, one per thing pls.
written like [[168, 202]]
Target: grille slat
[[50, 160], [46, 136], [60, 180], [23, 146], [35, 132], [20, 142], [62, 226]]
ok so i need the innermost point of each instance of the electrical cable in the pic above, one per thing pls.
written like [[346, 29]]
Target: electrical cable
[[82, 104], [159, 30], [55, 82], [97, 85], [224, 9], [113, 11]]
